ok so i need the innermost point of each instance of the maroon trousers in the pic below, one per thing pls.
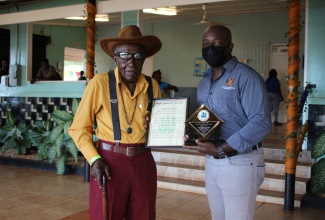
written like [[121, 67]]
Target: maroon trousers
[[132, 190]]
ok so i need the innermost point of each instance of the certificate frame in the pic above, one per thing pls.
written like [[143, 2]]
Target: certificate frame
[[167, 122]]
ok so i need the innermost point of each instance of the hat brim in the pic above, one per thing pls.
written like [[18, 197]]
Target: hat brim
[[151, 43]]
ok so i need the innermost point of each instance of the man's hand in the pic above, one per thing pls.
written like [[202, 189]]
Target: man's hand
[[202, 147], [147, 121], [99, 169]]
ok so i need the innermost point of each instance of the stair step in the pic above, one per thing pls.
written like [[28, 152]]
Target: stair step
[[196, 173], [179, 158], [277, 183], [181, 185], [278, 167], [268, 196], [176, 156], [276, 197], [177, 150], [181, 171], [279, 154]]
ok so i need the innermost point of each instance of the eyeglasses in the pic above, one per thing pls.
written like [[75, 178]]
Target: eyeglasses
[[129, 56]]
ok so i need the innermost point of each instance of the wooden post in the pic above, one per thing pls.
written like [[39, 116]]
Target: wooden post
[[292, 152], [91, 39], [90, 55]]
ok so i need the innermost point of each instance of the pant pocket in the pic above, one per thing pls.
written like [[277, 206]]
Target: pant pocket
[[260, 168]]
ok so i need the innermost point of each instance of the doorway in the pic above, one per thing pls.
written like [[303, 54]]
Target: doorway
[[279, 61]]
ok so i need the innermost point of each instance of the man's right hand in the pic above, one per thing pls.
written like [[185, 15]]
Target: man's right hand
[[99, 169]]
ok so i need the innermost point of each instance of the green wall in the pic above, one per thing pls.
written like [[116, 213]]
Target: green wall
[[316, 47], [61, 37], [180, 46]]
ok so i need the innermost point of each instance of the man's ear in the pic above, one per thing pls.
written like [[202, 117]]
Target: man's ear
[[115, 60], [231, 46]]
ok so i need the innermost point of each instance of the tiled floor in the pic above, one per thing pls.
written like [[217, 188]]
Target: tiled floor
[[41, 195]]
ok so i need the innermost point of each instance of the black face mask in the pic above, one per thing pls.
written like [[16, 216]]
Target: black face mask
[[214, 56]]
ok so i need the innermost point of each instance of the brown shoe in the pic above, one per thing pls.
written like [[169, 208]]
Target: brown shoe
[[277, 123]]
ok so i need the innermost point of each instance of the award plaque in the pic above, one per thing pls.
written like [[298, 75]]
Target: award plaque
[[204, 122]]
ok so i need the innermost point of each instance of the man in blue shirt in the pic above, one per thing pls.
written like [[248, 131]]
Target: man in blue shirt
[[164, 87], [237, 94]]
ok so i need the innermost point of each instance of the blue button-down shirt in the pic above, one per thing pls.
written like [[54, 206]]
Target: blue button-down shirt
[[239, 97]]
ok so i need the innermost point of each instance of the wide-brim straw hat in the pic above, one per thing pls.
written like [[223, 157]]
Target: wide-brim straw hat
[[131, 35]]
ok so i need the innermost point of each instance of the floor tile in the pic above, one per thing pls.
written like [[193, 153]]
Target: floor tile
[[27, 194]]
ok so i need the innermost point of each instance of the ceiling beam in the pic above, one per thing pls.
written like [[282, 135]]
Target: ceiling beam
[[42, 14], [125, 5], [110, 6]]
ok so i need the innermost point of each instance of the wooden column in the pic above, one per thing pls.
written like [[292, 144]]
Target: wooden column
[[90, 56], [292, 146], [91, 39]]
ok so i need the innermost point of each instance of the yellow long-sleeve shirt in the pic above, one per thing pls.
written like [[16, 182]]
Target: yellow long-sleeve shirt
[[96, 102]]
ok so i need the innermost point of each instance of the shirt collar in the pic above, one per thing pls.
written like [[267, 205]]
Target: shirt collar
[[229, 66]]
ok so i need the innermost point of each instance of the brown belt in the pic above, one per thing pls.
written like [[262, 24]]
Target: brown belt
[[126, 149]]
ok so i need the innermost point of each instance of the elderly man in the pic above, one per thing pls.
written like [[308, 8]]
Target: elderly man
[[119, 100], [237, 94]]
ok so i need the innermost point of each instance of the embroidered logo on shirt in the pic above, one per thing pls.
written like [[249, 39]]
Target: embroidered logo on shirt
[[229, 81]]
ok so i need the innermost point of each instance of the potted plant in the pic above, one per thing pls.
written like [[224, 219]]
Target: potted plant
[[14, 135], [61, 145]]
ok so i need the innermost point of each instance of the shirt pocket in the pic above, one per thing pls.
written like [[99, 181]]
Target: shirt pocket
[[227, 104]]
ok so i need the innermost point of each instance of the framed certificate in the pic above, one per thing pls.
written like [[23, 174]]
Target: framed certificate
[[167, 123]]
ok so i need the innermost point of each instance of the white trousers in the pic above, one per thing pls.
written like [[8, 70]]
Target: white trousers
[[232, 184]]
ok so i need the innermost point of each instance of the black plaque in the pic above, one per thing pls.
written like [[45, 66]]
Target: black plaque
[[203, 122]]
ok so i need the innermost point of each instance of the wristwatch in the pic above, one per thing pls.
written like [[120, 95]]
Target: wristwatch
[[221, 153]]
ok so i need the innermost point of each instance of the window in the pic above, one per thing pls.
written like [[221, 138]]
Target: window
[[74, 62]]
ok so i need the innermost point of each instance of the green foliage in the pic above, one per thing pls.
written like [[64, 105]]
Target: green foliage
[[318, 171], [60, 164], [14, 136], [318, 177], [39, 136], [61, 144], [319, 147], [55, 144]]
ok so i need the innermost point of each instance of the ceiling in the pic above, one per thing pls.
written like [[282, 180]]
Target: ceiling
[[194, 11]]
